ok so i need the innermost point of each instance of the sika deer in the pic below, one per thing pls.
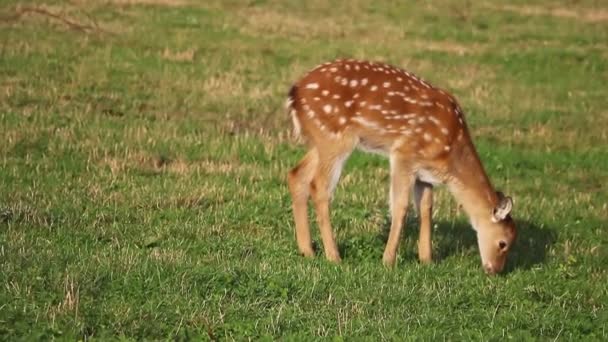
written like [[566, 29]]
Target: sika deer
[[379, 108]]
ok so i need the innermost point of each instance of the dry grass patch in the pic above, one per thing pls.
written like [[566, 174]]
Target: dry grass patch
[[469, 77], [168, 3], [267, 21], [179, 56], [595, 15], [446, 46], [160, 164], [228, 84], [366, 30], [68, 16], [168, 256], [70, 303]]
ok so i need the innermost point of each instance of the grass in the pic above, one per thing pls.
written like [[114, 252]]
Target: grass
[[144, 153]]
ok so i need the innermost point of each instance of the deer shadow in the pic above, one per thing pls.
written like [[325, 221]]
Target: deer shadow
[[530, 248], [455, 238]]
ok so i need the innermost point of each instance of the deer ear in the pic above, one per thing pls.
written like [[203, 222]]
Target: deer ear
[[504, 207]]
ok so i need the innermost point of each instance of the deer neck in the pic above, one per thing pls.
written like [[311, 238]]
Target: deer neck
[[471, 187]]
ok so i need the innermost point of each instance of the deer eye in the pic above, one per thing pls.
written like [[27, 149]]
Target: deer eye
[[502, 245]]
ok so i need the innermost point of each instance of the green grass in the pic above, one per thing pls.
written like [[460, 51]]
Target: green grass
[[142, 172]]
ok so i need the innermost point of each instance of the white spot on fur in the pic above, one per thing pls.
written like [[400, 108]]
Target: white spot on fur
[[312, 86], [327, 109], [325, 92], [386, 84], [373, 88], [297, 127], [427, 176], [353, 83], [288, 103], [347, 104], [364, 122], [434, 120], [405, 116]]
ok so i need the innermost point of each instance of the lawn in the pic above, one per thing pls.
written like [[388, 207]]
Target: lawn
[[144, 151]]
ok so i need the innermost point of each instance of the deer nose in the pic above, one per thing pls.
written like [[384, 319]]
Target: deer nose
[[490, 270]]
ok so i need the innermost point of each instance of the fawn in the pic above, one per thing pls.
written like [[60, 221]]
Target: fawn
[[379, 108]]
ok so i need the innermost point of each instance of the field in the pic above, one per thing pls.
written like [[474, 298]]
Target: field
[[144, 151]]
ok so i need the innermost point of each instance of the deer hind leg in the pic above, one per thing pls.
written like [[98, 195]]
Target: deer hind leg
[[401, 183], [299, 180], [423, 194], [322, 187]]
